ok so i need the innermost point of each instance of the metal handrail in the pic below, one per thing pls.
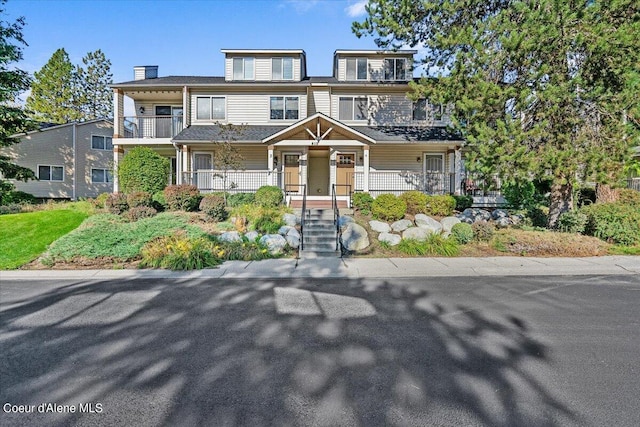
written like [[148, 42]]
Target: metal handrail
[[336, 211]]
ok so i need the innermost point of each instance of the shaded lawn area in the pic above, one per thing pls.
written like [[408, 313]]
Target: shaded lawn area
[[24, 236]]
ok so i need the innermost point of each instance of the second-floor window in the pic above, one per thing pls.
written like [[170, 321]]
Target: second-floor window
[[395, 69], [50, 173], [243, 69], [210, 108], [99, 142], [357, 69], [284, 108], [422, 110], [352, 108], [282, 68]]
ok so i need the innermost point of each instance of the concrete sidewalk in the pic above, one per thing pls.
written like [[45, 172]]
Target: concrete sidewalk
[[365, 268]]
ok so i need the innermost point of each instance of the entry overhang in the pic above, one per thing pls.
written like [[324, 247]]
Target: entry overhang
[[319, 128]]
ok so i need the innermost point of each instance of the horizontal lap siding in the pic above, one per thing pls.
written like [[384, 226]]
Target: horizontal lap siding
[[401, 157], [88, 158], [319, 102], [383, 109], [253, 108], [262, 66]]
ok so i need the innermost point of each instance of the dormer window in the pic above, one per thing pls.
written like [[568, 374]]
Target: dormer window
[[282, 69], [395, 69], [357, 69], [243, 69]]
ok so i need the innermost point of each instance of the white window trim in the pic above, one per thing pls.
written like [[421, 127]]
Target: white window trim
[[210, 119], [282, 58], [106, 172], [424, 162], [353, 104], [244, 58], [193, 160], [50, 174], [395, 78], [105, 143], [427, 111], [284, 113], [346, 61]]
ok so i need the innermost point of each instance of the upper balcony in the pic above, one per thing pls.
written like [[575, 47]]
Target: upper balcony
[[152, 126]]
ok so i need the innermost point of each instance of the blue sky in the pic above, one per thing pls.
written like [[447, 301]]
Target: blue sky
[[185, 37]]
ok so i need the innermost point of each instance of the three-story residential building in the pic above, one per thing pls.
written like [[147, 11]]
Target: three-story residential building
[[355, 130]]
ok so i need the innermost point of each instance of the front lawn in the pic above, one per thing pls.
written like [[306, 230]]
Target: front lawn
[[24, 236]]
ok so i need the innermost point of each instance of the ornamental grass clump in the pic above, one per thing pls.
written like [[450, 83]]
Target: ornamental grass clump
[[434, 245], [462, 232], [180, 252]]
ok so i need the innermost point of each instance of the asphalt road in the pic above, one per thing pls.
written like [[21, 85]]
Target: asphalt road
[[517, 351]]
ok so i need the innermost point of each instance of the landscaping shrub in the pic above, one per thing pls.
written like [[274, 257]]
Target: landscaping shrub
[[462, 232], [182, 197], [238, 199], [243, 251], [10, 209], [158, 201], [483, 231], [572, 222], [180, 252], [362, 202], [214, 207], [269, 222], [5, 188], [268, 196], [463, 202], [139, 212], [434, 245], [416, 201], [100, 201], [18, 197], [142, 169], [538, 216], [116, 203], [388, 207], [519, 194], [139, 198], [613, 222], [627, 196], [440, 205]]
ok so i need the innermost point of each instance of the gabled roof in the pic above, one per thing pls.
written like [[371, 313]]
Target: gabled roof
[[44, 127], [323, 123]]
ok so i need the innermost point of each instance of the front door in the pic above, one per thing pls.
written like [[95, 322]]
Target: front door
[[434, 173], [202, 165], [318, 172], [292, 173], [344, 173]]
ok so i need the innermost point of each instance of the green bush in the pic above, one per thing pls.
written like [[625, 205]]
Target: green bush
[[519, 194], [100, 200], [139, 212], [214, 207], [242, 251], [538, 216], [116, 203], [5, 188], [182, 197], [269, 222], [416, 201], [462, 232], [628, 196], [483, 231], [180, 252], [388, 207], [139, 198], [362, 202], [142, 169], [10, 209], [159, 202], [613, 222], [434, 245], [572, 222], [18, 197], [268, 196], [238, 199], [440, 205], [463, 202]]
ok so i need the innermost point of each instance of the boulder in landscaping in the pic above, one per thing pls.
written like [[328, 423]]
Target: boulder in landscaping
[[252, 235], [503, 222], [379, 226], [230, 236], [391, 239], [401, 225], [448, 222], [274, 242], [425, 221], [471, 215], [354, 237], [284, 230], [293, 240], [499, 213], [290, 219], [344, 220], [416, 233]]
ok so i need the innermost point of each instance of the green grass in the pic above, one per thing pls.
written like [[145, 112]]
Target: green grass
[[25, 236], [107, 235]]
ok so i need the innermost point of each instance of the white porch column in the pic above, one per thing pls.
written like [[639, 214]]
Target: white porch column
[[458, 170], [185, 164], [185, 108], [178, 165], [365, 167], [118, 113], [118, 152], [270, 166]]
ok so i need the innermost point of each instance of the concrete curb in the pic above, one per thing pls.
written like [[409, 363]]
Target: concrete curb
[[357, 268]]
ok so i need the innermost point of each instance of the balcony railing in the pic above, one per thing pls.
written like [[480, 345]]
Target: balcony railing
[[398, 182], [152, 126], [232, 181]]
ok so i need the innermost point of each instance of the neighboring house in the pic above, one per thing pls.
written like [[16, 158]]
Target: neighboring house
[[356, 130], [71, 161]]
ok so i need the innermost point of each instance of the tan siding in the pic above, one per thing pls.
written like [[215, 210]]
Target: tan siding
[[389, 109], [262, 66], [401, 157], [88, 158], [263, 69], [319, 101]]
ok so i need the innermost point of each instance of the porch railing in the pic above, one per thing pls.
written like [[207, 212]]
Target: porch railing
[[152, 126], [233, 181], [633, 183], [398, 182], [479, 185]]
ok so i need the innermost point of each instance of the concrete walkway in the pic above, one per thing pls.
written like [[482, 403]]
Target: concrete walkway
[[366, 268]]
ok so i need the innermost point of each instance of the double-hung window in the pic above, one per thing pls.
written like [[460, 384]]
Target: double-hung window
[[423, 110], [282, 69], [210, 108], [284, 108], [50, 173], [99, 142], [357, 69], [99, 176], [352, 108], [395, 69], [243, 69]]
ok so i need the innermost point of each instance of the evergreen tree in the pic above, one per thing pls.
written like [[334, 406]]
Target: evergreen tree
[[94, 98], [52, 96], [541, 89], [13, 81]]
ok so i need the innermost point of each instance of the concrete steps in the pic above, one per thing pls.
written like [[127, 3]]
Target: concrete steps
[[319, 233]]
